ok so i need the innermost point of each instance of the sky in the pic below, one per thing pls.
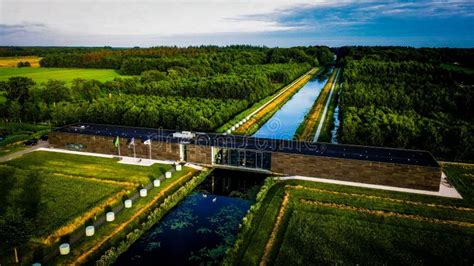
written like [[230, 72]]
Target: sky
[[145, 23]]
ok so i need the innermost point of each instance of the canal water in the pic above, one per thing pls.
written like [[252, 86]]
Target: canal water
[[201, 227], [284, 123]]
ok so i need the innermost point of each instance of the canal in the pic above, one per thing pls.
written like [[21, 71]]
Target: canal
[[201, 227], [284, 123]]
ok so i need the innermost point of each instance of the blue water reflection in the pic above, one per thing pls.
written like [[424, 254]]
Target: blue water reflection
[[201, 227], [284, 123]]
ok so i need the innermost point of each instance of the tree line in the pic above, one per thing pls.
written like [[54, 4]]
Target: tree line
[[214, 61], [194, 88]]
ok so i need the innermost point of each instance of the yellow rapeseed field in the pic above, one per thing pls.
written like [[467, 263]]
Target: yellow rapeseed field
[[13, 61]]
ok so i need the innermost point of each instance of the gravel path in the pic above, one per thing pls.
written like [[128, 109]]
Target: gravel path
[[11, 156]]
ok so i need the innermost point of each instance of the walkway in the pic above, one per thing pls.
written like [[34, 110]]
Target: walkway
[[445, 189], [124, 160], [323, 117]]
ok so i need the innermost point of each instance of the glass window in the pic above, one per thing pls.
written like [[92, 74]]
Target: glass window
[[243, 158], [259, 158], [267, 160], [242, 161], [250, 157], [225, 156], [234, 158]]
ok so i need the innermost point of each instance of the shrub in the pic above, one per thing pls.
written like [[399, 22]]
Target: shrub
[[89, 222], [108, 208], [65, 239], [24, 64]]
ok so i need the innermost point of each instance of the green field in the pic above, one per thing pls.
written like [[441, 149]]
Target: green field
[[64, 198], [67, 75], [458, 68], [72, 184], [168, 187], [330, 224], [68, 189]]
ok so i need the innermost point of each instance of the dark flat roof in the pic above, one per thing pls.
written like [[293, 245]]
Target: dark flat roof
[[365, 153]]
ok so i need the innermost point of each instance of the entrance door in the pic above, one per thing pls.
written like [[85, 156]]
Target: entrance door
[[185, 152]]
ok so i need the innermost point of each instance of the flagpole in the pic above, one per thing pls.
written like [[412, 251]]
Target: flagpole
[[134, 154], [149, 149]]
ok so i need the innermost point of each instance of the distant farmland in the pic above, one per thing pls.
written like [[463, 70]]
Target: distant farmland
[[65, 74], [13, 61]]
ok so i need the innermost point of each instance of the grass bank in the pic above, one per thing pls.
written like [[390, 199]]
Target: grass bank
[[127, 222], [122, 243], [328, 125], [259, 118], [308, 127]]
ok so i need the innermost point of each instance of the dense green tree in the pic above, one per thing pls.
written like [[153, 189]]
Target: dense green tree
[[390, 98], [87, 90], [54, 91], [17, 88]]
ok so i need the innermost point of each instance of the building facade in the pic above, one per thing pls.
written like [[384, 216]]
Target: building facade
[[373, 165]]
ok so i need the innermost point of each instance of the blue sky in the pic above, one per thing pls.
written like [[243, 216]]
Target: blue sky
[[221, 22]]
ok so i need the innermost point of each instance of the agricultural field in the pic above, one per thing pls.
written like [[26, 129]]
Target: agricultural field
[[42, 74], [458, 68], [306, 223], [9, 62], [54, 194]]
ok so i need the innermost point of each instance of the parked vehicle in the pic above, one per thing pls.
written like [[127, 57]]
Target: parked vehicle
[[44, 137], [31, 142]]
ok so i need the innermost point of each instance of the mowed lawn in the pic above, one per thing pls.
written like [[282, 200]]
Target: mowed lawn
[[330, 224], [65, 198], [42, 74], [88, 166], [75, 187], [73, 184]]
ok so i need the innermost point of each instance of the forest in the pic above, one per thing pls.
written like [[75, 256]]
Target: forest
[[194, 88], [407, 98]]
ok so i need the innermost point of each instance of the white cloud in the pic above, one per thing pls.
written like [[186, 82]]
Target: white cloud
[[164, 18], [185, 22]]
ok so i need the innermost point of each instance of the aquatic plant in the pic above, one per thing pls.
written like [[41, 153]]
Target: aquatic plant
[[172, 200]]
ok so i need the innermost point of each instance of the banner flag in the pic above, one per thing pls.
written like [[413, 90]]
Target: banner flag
[[116, 142], [147, 142], [132, 142]]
